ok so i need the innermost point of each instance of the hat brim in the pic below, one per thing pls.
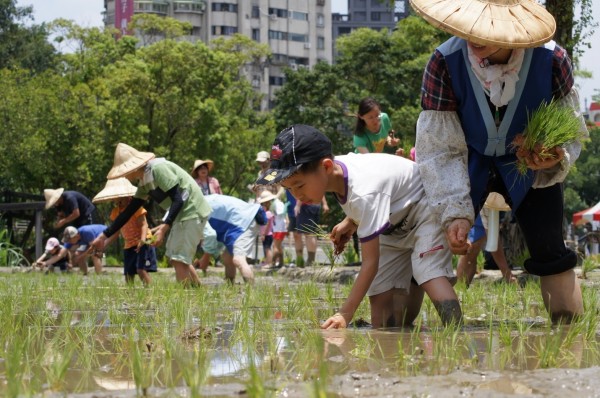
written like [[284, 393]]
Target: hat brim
[[100, 198], [130, 165], [525, 24], [54, 198], [209, 165], [274, 176]]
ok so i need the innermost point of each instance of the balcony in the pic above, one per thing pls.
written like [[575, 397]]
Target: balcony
[[160, 7], [189, 6]]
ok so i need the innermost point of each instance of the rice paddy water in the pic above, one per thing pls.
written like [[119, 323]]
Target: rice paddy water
[[93, 336]]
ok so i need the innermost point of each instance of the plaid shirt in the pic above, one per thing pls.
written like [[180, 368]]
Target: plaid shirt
[[437, 93]]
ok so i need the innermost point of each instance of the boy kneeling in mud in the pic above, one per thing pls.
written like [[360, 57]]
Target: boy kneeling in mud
[[404, 251]]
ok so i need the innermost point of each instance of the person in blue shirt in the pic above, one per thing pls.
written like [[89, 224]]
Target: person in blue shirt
[[236, 227], [78, 241]]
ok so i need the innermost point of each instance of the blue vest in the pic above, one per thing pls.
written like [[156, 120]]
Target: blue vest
[[487, 144]]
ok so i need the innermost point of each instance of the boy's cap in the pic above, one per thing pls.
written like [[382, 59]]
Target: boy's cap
[[293, 147], [262, 156], [115, 189], [69, 233], [52, 244], [127, 159]]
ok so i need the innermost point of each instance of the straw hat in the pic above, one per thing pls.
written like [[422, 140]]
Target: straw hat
[[265, 196], [499, 23], [114, 189], [199, 162], [127, 159], [52, 196]]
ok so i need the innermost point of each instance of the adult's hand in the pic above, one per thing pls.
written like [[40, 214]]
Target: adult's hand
[[456, 234], [160, 234]]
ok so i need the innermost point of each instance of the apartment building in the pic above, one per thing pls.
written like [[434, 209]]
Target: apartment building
[[299, 32], [373, 14]]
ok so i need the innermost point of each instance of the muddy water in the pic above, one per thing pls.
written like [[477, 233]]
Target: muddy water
[[290, 357], [358, 362]]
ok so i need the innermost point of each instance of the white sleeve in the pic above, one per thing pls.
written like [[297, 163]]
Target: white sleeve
[[441, 152], [556, 174]]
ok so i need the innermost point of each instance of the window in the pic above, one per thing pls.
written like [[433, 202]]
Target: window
[[320, 20], [256, 35], [375, 16], [255, 12], [321, 2], [278, 12], [298, 37], [279, 59], [276, 80], [224, 7], [277, 35], [360, 16], [224, 30], [320, 43], [196, 30], [300, 16]]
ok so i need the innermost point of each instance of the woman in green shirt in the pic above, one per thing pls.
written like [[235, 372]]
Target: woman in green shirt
[[373, 131]]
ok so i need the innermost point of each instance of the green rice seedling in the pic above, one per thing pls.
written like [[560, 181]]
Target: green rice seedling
[[318, 231], [59, 354], [589, 264], [321, 381], [550, 125]]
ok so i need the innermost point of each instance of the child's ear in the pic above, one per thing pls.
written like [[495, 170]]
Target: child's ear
[[327, 164]]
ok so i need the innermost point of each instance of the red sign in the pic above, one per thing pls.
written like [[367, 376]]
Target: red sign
[[123, 14]]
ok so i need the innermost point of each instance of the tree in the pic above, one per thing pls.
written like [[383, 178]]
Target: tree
[[571, 33], [23, 46]]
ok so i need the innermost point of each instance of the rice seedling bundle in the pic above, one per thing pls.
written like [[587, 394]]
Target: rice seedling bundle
[[549, 126]]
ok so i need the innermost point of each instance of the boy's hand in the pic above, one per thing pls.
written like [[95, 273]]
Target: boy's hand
[[342, 233], [337, 321], [456, 234]]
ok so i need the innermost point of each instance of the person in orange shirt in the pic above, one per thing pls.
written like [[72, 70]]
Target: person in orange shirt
[[139, 257]]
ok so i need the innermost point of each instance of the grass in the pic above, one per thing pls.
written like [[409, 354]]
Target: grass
[[59, 334]]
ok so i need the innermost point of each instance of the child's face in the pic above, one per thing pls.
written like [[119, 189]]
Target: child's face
[[308, 188]]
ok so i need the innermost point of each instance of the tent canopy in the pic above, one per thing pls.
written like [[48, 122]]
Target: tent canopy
[[587, 216]]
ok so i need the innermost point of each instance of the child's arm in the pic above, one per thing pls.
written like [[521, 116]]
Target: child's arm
[[368, 270], [143, 224], [62, 253]]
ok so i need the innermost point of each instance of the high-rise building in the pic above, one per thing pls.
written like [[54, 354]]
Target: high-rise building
[[373, 14], [297, 31]]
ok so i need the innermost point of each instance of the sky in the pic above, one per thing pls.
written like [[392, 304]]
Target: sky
[[89, 13]]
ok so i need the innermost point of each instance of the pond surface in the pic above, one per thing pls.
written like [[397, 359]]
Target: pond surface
[[94, 337]]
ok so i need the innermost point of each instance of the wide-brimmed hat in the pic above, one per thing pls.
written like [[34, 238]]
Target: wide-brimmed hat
[[265, 196], [500, 23], [127, 159], [199, 162], [52, 196], [114, 189]]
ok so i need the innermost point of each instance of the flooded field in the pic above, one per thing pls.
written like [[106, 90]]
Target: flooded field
[[94, 337]]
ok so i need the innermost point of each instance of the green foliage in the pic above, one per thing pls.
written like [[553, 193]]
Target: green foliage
[[23, 45], [10, 255], [178, 99], [581, 185]]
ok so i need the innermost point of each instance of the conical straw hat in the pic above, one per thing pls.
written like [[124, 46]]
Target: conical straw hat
[[499, 23], [199, 162], [127, 159], [114, 189], [52, 196]]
